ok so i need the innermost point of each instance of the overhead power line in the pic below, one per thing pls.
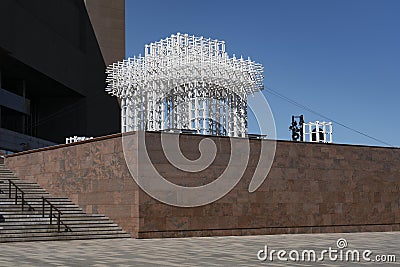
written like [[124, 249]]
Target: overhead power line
[[76, 105], [295, 103]]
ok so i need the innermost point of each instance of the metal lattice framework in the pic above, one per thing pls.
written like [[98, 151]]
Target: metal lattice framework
[[185, 82], [318, 132]]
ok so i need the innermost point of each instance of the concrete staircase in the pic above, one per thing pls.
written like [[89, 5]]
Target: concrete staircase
[[30, 225]]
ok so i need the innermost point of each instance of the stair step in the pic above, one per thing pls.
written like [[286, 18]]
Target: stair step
[[46, 225], [36, 206], [14, 211], [15, 214], [54, 228], [65, 216], [37, 199], [75, 226], [61, 233], [67, 235], [30, 225], [64, 220], [28, 187], [56, 238]]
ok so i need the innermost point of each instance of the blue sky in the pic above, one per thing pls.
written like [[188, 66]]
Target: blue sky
[[340, 58]]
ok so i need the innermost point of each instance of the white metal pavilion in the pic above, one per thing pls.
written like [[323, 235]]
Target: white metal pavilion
[[187, 83]]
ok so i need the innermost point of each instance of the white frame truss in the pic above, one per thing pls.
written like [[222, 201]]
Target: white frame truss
[[185, 82], [318, 129]]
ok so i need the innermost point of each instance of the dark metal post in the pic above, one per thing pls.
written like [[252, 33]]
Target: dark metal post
[[9, 188], [301, 128], [51, 214], [42, 206], [58, 221], [23, 200], [16, 199]]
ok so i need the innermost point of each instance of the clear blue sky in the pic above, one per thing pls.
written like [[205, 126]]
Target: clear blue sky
[[340, 58]]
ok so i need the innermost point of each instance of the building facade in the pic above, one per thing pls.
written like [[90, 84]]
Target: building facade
[[52, 62]]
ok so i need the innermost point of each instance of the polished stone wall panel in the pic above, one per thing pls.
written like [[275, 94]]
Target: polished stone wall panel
[[311, 188]]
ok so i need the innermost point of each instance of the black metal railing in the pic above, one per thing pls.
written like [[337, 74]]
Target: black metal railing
[[1, 190], [53, 215], [20, 194], [16, 196]]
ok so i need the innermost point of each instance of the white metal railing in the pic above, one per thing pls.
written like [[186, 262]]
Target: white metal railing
[[75, 138], [318, 132]]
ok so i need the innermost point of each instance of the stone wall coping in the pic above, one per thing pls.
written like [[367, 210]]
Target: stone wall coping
[[105, 137], [117, 135]]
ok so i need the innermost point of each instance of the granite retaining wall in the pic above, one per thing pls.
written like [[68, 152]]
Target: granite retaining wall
[[310, 188]]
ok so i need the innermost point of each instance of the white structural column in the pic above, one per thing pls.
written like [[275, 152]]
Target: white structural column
[[187, 83]]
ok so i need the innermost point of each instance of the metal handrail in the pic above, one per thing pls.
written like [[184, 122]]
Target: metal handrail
[[51, 215], [17, 188], [1, 190], [44, 200]]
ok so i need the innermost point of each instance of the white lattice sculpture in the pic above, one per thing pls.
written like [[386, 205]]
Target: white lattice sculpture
[[185, 82]]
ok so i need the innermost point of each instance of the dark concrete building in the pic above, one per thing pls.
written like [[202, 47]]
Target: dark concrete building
[[52, 61]]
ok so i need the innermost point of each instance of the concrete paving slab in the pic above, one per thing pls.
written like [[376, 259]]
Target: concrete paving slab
[[201, 251]]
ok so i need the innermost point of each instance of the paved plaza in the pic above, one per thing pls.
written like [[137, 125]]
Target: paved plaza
[[207, 251]]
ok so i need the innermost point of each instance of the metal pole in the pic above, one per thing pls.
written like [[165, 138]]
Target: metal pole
[[9, 188], [42, 206], [51, 214], [58, 221], [23, 200]]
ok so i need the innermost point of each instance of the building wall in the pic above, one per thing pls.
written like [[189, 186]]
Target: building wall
[[54, 38], [108, 21], [310, 188], [51, 56]]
